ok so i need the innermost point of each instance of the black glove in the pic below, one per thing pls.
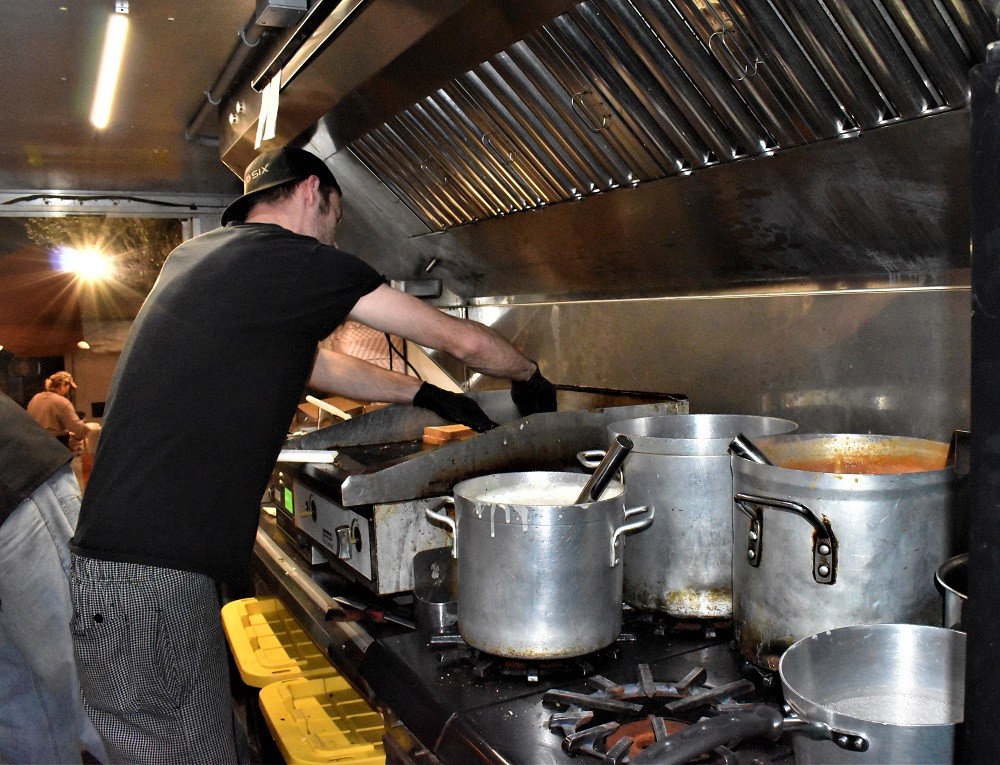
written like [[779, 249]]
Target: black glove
[[536, 394], [454, 407]]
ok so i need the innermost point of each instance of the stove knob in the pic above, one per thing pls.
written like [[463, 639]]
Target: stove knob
[[344, 542]]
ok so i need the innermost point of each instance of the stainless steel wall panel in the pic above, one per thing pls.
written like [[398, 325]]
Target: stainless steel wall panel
[[889, 361]]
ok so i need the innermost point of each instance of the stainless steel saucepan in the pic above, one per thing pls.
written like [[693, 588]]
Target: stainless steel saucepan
[[864, 695]]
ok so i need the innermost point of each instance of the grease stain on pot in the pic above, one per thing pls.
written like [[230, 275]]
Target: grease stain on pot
[[690, 603]]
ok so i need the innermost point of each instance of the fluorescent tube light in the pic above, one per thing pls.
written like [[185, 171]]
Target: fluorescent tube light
[[111, 65]]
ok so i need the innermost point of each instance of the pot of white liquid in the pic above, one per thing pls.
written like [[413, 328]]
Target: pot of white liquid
[[539, 573]]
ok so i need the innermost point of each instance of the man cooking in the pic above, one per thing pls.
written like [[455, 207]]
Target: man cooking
[[207, 383]]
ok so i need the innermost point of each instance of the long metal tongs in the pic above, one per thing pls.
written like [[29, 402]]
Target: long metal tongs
[[606, 470]]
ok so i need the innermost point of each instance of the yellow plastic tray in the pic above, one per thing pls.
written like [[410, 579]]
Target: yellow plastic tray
[[268, 644], [322, 720]]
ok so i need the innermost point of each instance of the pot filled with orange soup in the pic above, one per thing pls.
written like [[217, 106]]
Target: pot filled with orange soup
[[841, 529]]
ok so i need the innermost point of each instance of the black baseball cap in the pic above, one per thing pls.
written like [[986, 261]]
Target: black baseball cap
[[273, 168]]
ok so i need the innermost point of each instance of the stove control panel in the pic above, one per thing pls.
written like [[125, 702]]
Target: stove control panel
[[371, 544], [344, 535]]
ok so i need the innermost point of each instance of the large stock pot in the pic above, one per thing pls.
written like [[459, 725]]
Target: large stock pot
[[952, 579], [539, 575], [842, 529], [679, 465]]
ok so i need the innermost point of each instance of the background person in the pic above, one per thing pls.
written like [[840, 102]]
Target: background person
[[173, 501], [53, 410], [42, 719]]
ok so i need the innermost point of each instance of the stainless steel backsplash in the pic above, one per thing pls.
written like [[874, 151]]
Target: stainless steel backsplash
[[892, 361]]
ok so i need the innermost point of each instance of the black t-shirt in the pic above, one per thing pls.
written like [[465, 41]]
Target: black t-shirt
[[204, 392], [29, 455]]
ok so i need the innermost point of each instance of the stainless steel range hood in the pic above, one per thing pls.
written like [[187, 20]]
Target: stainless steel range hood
[[617, 92], [472, 112]]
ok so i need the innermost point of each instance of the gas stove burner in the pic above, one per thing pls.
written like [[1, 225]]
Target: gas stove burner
[[642, 733], [485, 665], [767, 681], [664, 705], [664, 624]]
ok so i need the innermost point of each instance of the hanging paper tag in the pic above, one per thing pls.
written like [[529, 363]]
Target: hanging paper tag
[[268, 119]]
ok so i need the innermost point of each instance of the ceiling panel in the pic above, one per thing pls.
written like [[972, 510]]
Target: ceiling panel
[[176, 50]]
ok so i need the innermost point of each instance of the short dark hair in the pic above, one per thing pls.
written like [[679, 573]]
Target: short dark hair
[[285, 190]]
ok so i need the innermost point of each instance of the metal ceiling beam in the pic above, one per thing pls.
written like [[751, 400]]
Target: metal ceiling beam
[[40, 204]]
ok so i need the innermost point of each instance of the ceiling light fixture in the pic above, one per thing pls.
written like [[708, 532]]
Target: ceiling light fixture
[[111, 65], [90, 265]]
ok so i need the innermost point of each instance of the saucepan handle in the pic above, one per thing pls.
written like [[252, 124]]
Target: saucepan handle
[[729, 729], [703, 737], [436, 514], [824, 551], [628, 528], [794, 725], [591, 458]]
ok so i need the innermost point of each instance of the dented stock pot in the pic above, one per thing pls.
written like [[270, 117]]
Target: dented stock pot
[[679, 465], [843, 529], [539, 576]]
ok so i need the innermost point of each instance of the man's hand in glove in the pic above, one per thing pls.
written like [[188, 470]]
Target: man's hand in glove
[[536, 394], [454, 407]]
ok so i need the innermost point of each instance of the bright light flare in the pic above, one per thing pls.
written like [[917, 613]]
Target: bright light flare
[[111, 64], [89, 264]]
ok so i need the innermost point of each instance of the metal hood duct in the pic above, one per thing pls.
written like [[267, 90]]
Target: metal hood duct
[[617, 92], [474, 111]]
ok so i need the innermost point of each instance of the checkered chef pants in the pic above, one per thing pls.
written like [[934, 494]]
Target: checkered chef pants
[[153, 665]]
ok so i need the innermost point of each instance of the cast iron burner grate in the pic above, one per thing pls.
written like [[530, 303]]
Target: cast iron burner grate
[[664, 624], [645, 705], [484, 665]]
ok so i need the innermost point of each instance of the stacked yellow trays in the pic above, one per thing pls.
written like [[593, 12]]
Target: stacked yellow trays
[[268, 644], [322, 720], [314, 714]]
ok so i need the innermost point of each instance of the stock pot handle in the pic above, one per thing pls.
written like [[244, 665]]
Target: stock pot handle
[[591, 458], [824, 567], [447, 520], [628, 528]]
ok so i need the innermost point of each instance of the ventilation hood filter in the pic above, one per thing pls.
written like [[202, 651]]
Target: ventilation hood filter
[[614, 93]]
